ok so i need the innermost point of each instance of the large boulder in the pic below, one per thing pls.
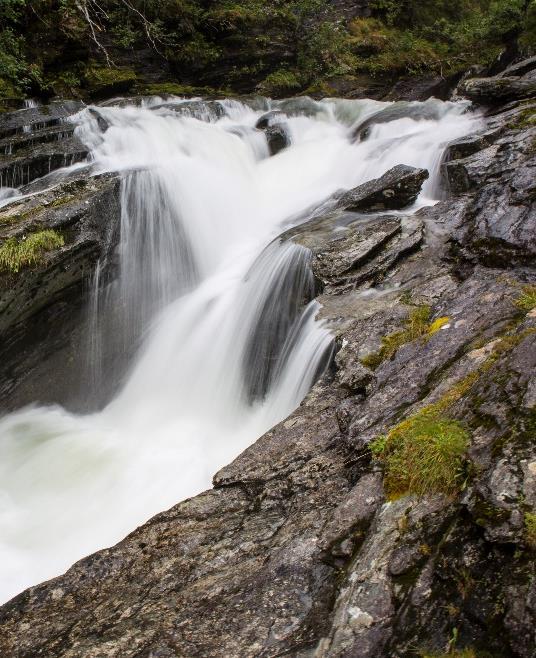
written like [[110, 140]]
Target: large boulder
[[495, 91], [396, 189], [274, 126]]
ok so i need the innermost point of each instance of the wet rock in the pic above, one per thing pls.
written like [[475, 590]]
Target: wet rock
[[274, 127], [35, 162], [490, 91], [398, 188], [203, 110], [41, 307], [37, 118], [415, 111]]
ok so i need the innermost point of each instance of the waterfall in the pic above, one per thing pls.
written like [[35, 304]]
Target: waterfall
[[213, 315]]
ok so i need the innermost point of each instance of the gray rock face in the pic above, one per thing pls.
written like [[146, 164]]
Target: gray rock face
[[398, 188], [297, 550], [515, 83], [41, 307]]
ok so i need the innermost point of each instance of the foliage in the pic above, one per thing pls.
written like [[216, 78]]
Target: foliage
[[47, 45], [29, 250], [423, 454], [454, 653]]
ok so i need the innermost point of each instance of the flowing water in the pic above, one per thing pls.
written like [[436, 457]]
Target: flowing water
[[219, 314]]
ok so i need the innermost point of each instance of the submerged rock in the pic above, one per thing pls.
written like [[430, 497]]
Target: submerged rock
[[431, 110], [274, 126]]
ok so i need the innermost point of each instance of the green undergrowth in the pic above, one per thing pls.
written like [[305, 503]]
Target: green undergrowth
[[453, 653], [417, 325], [16, 254], [530, 529], [75, 47], [527, 300], [423, 454]]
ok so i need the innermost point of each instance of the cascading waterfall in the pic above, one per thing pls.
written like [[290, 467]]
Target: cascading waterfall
[[219, 312]]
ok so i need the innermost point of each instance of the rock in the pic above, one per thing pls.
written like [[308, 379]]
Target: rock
[[35, 162], [398, 188], [41, 307], [203, 110], [519, 69], [274, 127], [491, 91], [296, 551], [431, 110], [37, 118], [269, 119]]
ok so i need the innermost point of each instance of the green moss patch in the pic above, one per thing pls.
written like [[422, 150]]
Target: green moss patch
[[423, 454], [16, 254], [530, 529], [417, 325], [527, 300]]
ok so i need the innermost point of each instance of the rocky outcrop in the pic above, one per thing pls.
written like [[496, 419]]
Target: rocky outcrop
[[301, 549], [397, 188], [42, 304]]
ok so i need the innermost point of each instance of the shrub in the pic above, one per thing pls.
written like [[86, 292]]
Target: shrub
[[280, 82], [29, 250], [423, 454]]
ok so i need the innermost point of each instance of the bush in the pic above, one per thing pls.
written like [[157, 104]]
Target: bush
[[530, 529], [29, 250], [423, 454]]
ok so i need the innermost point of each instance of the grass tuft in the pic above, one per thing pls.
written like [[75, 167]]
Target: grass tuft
[[18, 253], [530, 529], [423, 454], [527, 300], [417, 325]]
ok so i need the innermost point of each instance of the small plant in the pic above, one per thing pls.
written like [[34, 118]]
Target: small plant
[[417, 325], [423, 454], [530, 529], [18, 253], [455, 653], [527, 300]]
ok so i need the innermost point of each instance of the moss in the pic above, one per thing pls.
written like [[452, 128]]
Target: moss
[[453, 653], [280, 82], [417, 325], [423, 454], [29, 250], [530, 530], [107, 80], [176, 89], [527, 300]]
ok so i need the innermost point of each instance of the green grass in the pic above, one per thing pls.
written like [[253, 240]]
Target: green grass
[[527, 300], [455, 653], [423, 454], [530, 529], [417, 325], [16, 254]]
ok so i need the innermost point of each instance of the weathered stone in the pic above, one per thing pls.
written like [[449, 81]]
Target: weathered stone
[[397, 188], [497, 90]]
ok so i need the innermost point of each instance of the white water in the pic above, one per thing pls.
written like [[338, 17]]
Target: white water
[[199, 276]]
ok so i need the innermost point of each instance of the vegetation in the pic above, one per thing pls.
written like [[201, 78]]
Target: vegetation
[[423, 454], [530, 529], [527, 300], [454, 653], [417, 325], [29, 250], [52, 47]]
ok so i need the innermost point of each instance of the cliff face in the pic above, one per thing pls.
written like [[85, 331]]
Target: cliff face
[[393, 513]]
